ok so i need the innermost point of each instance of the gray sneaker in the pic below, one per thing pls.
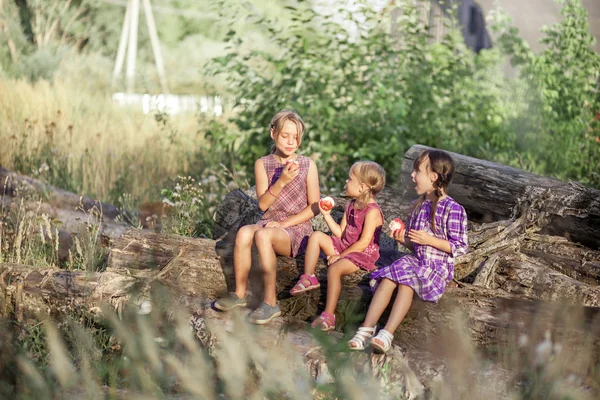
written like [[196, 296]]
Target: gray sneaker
[[230, 301], [264, 313]]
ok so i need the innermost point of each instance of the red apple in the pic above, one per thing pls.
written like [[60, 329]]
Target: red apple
[[326, 203], [288, 162], [396, 225]]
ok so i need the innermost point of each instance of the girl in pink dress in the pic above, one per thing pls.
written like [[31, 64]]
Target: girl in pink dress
[[287, 188], [354, 244]]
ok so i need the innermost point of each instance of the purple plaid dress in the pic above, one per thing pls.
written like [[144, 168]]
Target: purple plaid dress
[[292, 199], [428, 270]]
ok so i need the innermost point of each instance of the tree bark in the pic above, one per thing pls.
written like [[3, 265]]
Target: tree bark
[[491, 192], [491, 316], [74, 213], [12, 183]]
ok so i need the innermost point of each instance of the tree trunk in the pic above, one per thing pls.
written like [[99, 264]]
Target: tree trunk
[[491, 192], [491, 317], [12, 184], [74, 213]]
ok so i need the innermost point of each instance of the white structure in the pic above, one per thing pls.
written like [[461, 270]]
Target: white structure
[[170, 104]]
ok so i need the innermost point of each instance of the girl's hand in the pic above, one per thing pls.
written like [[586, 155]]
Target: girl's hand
[[323, 211], [419, 237], [332, 259], [399, 235], [290, 172]]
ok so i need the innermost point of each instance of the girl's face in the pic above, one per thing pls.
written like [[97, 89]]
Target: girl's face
[[287, 140], [353, 187], [424, 178]]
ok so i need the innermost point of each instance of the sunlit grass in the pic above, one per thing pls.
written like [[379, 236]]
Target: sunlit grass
[[79, 140]]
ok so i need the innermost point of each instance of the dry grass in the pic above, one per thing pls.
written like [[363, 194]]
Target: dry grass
[[157, 355], [60, 130]]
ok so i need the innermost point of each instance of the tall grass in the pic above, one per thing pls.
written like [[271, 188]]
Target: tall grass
[[160, 351], [80, 141]]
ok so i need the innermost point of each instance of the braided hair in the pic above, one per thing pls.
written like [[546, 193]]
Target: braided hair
[[442, 164]]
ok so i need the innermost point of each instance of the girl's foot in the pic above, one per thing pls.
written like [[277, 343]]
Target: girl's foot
[[230, 301], [359, 340], [264, 313], [382, 342], [325, 322], [305, 284]]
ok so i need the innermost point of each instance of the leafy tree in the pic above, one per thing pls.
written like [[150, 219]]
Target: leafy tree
[[558, 131], [366, 95]]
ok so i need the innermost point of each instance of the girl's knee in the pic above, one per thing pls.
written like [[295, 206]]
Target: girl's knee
[[244, 236], [336, 270], [261, 236], [316, 237]]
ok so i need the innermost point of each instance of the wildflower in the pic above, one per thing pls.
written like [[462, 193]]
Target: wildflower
[[523, 341], [145, 308], [168, 202], [544, 350]]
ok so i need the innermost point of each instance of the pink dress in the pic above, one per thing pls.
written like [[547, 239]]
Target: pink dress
[[292, 199], [355, 220]]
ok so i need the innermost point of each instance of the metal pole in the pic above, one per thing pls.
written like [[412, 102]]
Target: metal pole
[[122, 46], [160, 66], [132, 47]]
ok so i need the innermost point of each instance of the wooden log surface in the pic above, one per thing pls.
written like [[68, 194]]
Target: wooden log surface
[[492, 317], [491, 192], [193, 269], [12, 183]]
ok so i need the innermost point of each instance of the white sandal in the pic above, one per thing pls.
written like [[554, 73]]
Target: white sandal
[[382, 342], [359, 340]]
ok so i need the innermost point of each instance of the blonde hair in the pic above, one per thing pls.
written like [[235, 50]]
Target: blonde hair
[[372, 175], [442, 164], [279, 121]]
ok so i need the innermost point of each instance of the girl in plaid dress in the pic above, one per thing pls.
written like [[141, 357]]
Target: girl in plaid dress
[[437, 233], [287, 188], [354, 244]]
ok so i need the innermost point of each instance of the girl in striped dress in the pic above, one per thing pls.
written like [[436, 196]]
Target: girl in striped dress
[[287, 188], [437, 234]]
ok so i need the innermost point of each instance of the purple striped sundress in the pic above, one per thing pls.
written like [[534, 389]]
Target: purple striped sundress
[[428, 270], [292, 199]]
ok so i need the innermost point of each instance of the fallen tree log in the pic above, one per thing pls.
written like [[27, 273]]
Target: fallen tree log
[[485, 240], [491, 192], [496, 320], [11, 184], [492, 317]]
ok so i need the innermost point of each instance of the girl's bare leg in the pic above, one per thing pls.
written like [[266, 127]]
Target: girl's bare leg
[[242, 257], [400, 308], [318, 241], [335, 272], [270, 242], [381, 299]]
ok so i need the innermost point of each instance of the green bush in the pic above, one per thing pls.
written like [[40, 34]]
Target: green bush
[[371, 95]]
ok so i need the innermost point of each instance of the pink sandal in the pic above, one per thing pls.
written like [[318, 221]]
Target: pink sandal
[[326, 322], [305, 283]]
